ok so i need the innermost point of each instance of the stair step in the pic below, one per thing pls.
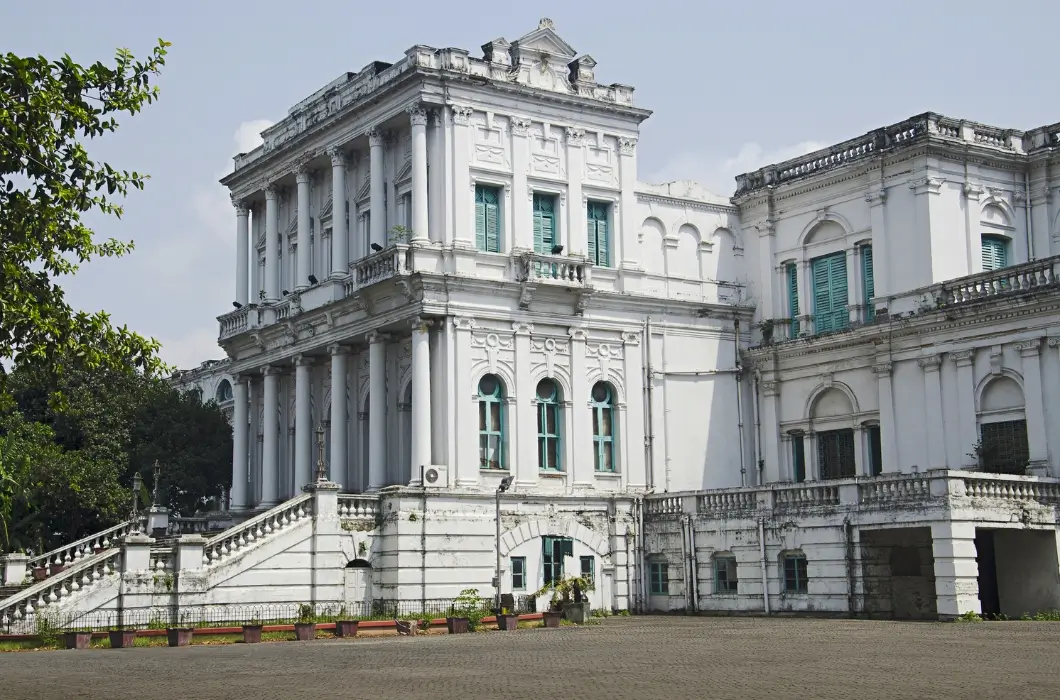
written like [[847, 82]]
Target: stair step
[[8, 591]]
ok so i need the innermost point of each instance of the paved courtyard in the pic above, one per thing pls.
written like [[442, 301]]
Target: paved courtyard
[[641, 658]]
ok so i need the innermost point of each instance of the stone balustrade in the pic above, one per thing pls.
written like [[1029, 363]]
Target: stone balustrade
[[553, 269], [251, 532], [358, 507], [51, 592], [57, 560], [234, 322], [390, 262]]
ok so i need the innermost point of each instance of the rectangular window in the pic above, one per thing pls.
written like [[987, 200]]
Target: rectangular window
[[555, 549], [1004, 448], [875, 451], [599, 240], [995, 253], [795, 574], [545, 235], [518, 573], [835, 454], [488, 218], [798, 458], [868, 283], [725, 579], [793, 298], [588, 568], [659, 578], [830, 293]]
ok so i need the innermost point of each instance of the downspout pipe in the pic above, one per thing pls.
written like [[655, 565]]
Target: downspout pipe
[[685, 562], [759, 462], [765, 563], [693, 562], [1027, 213], [649, 405], [739, 401]]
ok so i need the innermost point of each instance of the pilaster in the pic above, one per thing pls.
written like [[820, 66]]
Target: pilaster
[[377, 428], [270, 464], [242, 252], [463, 234], [340, 254], [632, 465], [627, 224], [936, 424], [966, 405], [303, 423], [581, 466], [421, 397], [521, 236], [272, 245], [240, 443], [377, 220], [881, 268], [956, 570], [339, 418], [467, 458], [773, 471], [302, 178], [525, 418], [888, 436], [577, 240], [420, 206], [1034, 405]]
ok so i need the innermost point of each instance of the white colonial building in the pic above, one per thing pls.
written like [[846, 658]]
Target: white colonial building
[[829, 393]]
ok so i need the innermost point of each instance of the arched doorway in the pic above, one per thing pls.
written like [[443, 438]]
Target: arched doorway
[[357, 579]]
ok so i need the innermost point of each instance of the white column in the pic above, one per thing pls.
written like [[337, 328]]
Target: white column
[[888, 436], [339, 418], [377, 221], [582, 463], [421, 396], [242, 252], [967, 429], [272, 245], [626, 230], [376, 410], [303, 424], [577, 240], [770, 396], [1034, 404], [467, 421], [302, 177], [270, 460], [936, 426], [956, 569], [240, 451], [632, 458], [420, 207], [805, 279], [436, 175], [340, 254], [521, 236], [525, 423]]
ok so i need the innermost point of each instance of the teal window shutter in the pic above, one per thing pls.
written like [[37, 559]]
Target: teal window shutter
[[995, 253], [491, 421], [602, 404], [830, 293], [599, 245], [487, 219], [793, 298], [544, 223], [868, 283], [480, 218]]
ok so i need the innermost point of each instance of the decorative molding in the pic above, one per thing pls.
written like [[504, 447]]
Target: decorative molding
[[417, 115], [302, 176], [929, 363], [272, 192], [882, 369], [963, 358], [578, 333], [770, 388], [520, 125], [522, 328], [242, 209], [631, 338], [462, 115], [972, 191], [627, 146], [376, 337], [575, 136], [927, 185], [301, 360], [464, 323], [996, 357], [420, 324], [338, 349], [1054, 342], [1019, 197], [1031, 348], [876, 196]]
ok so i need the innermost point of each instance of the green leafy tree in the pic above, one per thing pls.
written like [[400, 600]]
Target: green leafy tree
[[48, 181]]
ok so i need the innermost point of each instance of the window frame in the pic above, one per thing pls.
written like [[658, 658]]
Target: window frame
[[1019, 456], [798, 456], [552, 566], [1000, 244], [549, 442], [792, 271], [538, 198], [836, 316], [485, 433], [795, 569], [483, 245], [520, 564], [868, 282], [589, 572], [603, 445], [731, 586], [592, 232], [843, 469], [658, 578]]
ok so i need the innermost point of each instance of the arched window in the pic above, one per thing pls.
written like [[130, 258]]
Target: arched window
[[224, 391], [548, 426], [602, 404], [995, 252], [491, 437]]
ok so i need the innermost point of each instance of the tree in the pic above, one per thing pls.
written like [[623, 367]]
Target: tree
[[47, 182]]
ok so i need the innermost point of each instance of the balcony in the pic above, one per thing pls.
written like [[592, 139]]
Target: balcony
[[551, 269], [389, 263]]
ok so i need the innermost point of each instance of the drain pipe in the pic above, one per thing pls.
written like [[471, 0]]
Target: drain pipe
[[759, 462], [685, 560], [765, 564], [848, 533], [649, 405], [1027, 213], [739, 400], [693, 563]]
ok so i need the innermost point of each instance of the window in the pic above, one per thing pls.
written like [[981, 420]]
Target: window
[[725, 579], [793, 298], [1004, 447], [798, 458], [588, 568], [875, 451], [835, 454], [795, 573], [548, 426], [995, 253], [659, 578], [518, 573], [544, 223], [599, 241], [224, 391], [602, 404], [868, 283], [488, 218], [830, 293], [555, 549], [491, 442]]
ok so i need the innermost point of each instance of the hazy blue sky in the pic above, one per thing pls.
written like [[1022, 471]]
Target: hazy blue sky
[[734, 85]]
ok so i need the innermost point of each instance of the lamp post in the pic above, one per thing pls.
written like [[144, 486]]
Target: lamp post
[[137, 484], [158, 477], [501, 488], [321, 473]]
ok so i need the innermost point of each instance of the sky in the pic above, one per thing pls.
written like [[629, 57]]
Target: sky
[[733, 86]]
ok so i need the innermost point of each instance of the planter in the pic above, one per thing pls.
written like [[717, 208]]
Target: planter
[[551, 618], [179, 636], [508, 623], [251, 634], [39, 573], [457, 625], [578, 613], [122, 639], [77, 640], [97, 549], [346, 628], [305, 631], [57, 569]]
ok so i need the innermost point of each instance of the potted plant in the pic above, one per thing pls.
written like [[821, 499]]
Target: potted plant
[[345, 628], [568, 600], [122, 638], [466, 612], [80, 639], [179, 636], [506, 621], [40, 573], [306, 627], [252, 632]]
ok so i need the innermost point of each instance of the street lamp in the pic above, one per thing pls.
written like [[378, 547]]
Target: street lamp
[[321, 475], [137, 484], [158, 477], [501, 488]]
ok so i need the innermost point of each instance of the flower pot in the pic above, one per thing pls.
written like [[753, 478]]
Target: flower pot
[[77, 640], [179, 636], [97, 549], [251, 634], [578, 613], [39, 573], [57, 569], [122, 639], [346, 628], [305, 631], [508, 623], [457, 625], [551, 618]]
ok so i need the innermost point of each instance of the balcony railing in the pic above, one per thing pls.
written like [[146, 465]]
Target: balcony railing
[[234, 322], [386, 264], [534, 267]]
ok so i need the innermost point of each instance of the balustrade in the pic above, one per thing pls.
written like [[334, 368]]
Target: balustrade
[[358, 507], [1008, 280], [257, 529], [534, 267], [385, 264], [66, 556], [30, 602], [234, 322]]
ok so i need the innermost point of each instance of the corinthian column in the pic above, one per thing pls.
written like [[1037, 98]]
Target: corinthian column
[[376, 411], [242, 252], [340, 254], [339, 413], [304, 258], [421, 396], [420, 211], [272, 245], [377, 220], [270, 462], [303, 424], [240, 451]]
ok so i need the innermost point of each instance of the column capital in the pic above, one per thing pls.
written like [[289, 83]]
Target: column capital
[[338, 349], [463, 323], [1029, 348], [520, 125], [242, 209], [462, 114], [272, 192], [972, 191], [521, 328], [963, 358], [929, 363], [627, 146], [882, 369], [301, 360], [302, 176], [1054, 342], [927, 185], [631, 338], [421, 324], [339, 159], [876, 196], [575, 136], [578, 333], [376, 138], [374, 337], [270, 370], [417, 114], [770, 387]]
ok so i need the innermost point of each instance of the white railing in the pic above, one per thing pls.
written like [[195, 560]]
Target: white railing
[[534, 267], [84, 575], [794, 497], [237, 539], [234, 322], [188, 525], [163, 559], [1012, 489], [358, 506], [663, 505], [55, 561], [1007, 280], [915, 487], [377, 267], [727, 500]]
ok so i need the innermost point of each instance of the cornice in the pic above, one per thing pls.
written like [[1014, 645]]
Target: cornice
[[688, 203]]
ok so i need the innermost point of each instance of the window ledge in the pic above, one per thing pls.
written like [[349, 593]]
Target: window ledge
[[608, 475], [500, 472], [550, 474]]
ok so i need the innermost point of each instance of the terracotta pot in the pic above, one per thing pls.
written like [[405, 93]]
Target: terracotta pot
[[305, 631], [57, 569], [78, 640], [551, 619], [39, 573], [457, 625], [97, 549], [122, 639], [346, 628], [508, 623], [179, 636], [251, 634]]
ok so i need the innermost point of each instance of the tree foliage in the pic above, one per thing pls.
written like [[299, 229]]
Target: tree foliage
[[48, 181]]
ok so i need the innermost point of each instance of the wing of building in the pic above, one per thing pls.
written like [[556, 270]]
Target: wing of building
[[827, 393]]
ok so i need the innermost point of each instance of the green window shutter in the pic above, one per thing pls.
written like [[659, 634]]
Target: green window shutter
[[493, 222], [480, 218], [793, 298], [995, 253], [868, 282], [599, 245], [539, 224], [830, 293], [544, 223], [590, 226], [838, 273]]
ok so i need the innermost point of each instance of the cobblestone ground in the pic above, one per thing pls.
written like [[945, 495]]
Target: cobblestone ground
[[641, 658]]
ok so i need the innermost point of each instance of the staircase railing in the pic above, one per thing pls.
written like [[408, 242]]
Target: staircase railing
[[85, 573], [63, 557], [248, 533]]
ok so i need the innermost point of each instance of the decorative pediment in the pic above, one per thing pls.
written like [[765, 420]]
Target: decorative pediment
[[365, 190], [325, 212], [543, 40], [292, 227], [540, 60], [404, 174]]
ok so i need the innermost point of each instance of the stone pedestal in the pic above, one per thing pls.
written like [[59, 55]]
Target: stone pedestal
[[15, 569]]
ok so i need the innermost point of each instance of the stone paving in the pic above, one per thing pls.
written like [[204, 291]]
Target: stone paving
[[619, 659]]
